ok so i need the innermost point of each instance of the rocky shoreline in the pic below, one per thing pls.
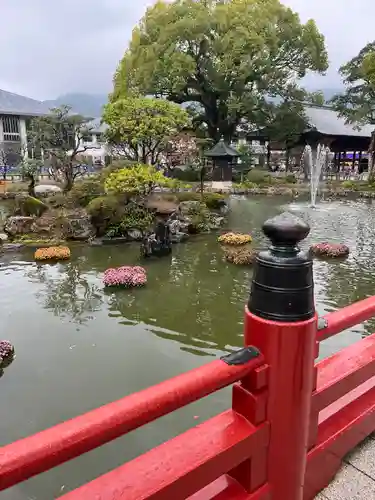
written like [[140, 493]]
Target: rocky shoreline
[[52, 227]]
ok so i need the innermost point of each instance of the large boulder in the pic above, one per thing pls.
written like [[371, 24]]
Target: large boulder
[[44, 189], [135, 234], [79, 228], [18, 225], [160, 206]]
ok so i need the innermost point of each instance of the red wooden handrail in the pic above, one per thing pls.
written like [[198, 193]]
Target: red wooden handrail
[[42, 451], [348, 316], [344, 371], [183, 465]]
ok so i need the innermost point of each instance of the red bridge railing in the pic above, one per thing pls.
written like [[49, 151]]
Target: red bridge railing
[[291, 423]]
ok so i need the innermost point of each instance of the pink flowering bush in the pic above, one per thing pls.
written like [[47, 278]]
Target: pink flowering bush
[[330, 249], [6, 351], [125, 276]]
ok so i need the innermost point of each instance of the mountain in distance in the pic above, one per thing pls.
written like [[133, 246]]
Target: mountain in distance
[[89, 105]]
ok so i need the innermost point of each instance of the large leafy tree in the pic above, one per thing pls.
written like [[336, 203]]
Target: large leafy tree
[[357, 103], [61, 136], [226, 58], [140, 127]]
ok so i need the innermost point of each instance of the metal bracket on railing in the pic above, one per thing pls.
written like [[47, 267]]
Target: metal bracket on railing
[[322, 323], [242, 356]]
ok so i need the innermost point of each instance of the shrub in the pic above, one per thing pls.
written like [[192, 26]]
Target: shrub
[[60, 200], [251, 185], [235, 239], [260, 177], [134, 217], [173, 184], [187, 174], [350, 185], [125, 276], [200, 217], [104, 212], [114, 167], [188, 196], [52, 253], [137, 180], [86, 190], [290, 179], [214, 201], [16, 187]]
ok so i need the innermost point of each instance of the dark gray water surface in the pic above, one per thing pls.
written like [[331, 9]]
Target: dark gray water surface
[[79, 347]]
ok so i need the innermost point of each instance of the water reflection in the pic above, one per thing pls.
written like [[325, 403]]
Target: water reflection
[[195, 298], [342, 282], [66, 291]]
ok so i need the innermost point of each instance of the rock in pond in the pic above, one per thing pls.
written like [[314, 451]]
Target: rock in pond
[[17, 225], [179, 237], [135, 235], [11, 247], [79, 227]]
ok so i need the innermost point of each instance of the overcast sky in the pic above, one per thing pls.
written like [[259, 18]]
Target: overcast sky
[[49, 48]]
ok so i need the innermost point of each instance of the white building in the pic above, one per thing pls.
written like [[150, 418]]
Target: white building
[[15, 113], [97, 148]]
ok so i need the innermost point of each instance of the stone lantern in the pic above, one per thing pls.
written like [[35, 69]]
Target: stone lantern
[[223, 158]]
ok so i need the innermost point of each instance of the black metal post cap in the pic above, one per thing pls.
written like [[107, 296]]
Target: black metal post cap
[[282, 287], [286, 229]]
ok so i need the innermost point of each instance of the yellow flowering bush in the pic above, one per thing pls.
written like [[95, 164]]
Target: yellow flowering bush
[[136, 180], [52, 253], [235, 239]]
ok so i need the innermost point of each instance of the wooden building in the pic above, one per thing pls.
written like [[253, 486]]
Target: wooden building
[[347, 142], [224, 158]]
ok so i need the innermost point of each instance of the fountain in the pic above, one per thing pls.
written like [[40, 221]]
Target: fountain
[[315, 167]]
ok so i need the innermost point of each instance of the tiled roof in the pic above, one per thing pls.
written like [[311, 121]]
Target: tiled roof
[[14, 104], [97, 126], [222, 149], [328, 122]]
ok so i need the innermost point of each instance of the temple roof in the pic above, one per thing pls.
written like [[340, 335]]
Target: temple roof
[[222, 149], [15, 104], [328, 122]]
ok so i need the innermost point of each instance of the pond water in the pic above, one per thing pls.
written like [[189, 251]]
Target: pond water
[[79, 347]]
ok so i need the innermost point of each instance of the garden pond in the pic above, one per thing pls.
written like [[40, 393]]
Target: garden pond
[[79, 346]]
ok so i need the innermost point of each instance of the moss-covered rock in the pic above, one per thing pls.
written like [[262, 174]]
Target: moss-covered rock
[[28, 206]]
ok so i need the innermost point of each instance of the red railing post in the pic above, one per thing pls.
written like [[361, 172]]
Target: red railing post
[[281, 321]]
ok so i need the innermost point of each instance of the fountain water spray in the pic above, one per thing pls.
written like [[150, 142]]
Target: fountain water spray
[[315, 167]]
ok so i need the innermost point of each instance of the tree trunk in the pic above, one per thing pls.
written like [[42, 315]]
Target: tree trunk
[[287, 159], [268, 155], [202, 174], [69, 179], [371, 159], [31, 187]]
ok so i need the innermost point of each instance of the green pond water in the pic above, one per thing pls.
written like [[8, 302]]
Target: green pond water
[[79, 347]]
